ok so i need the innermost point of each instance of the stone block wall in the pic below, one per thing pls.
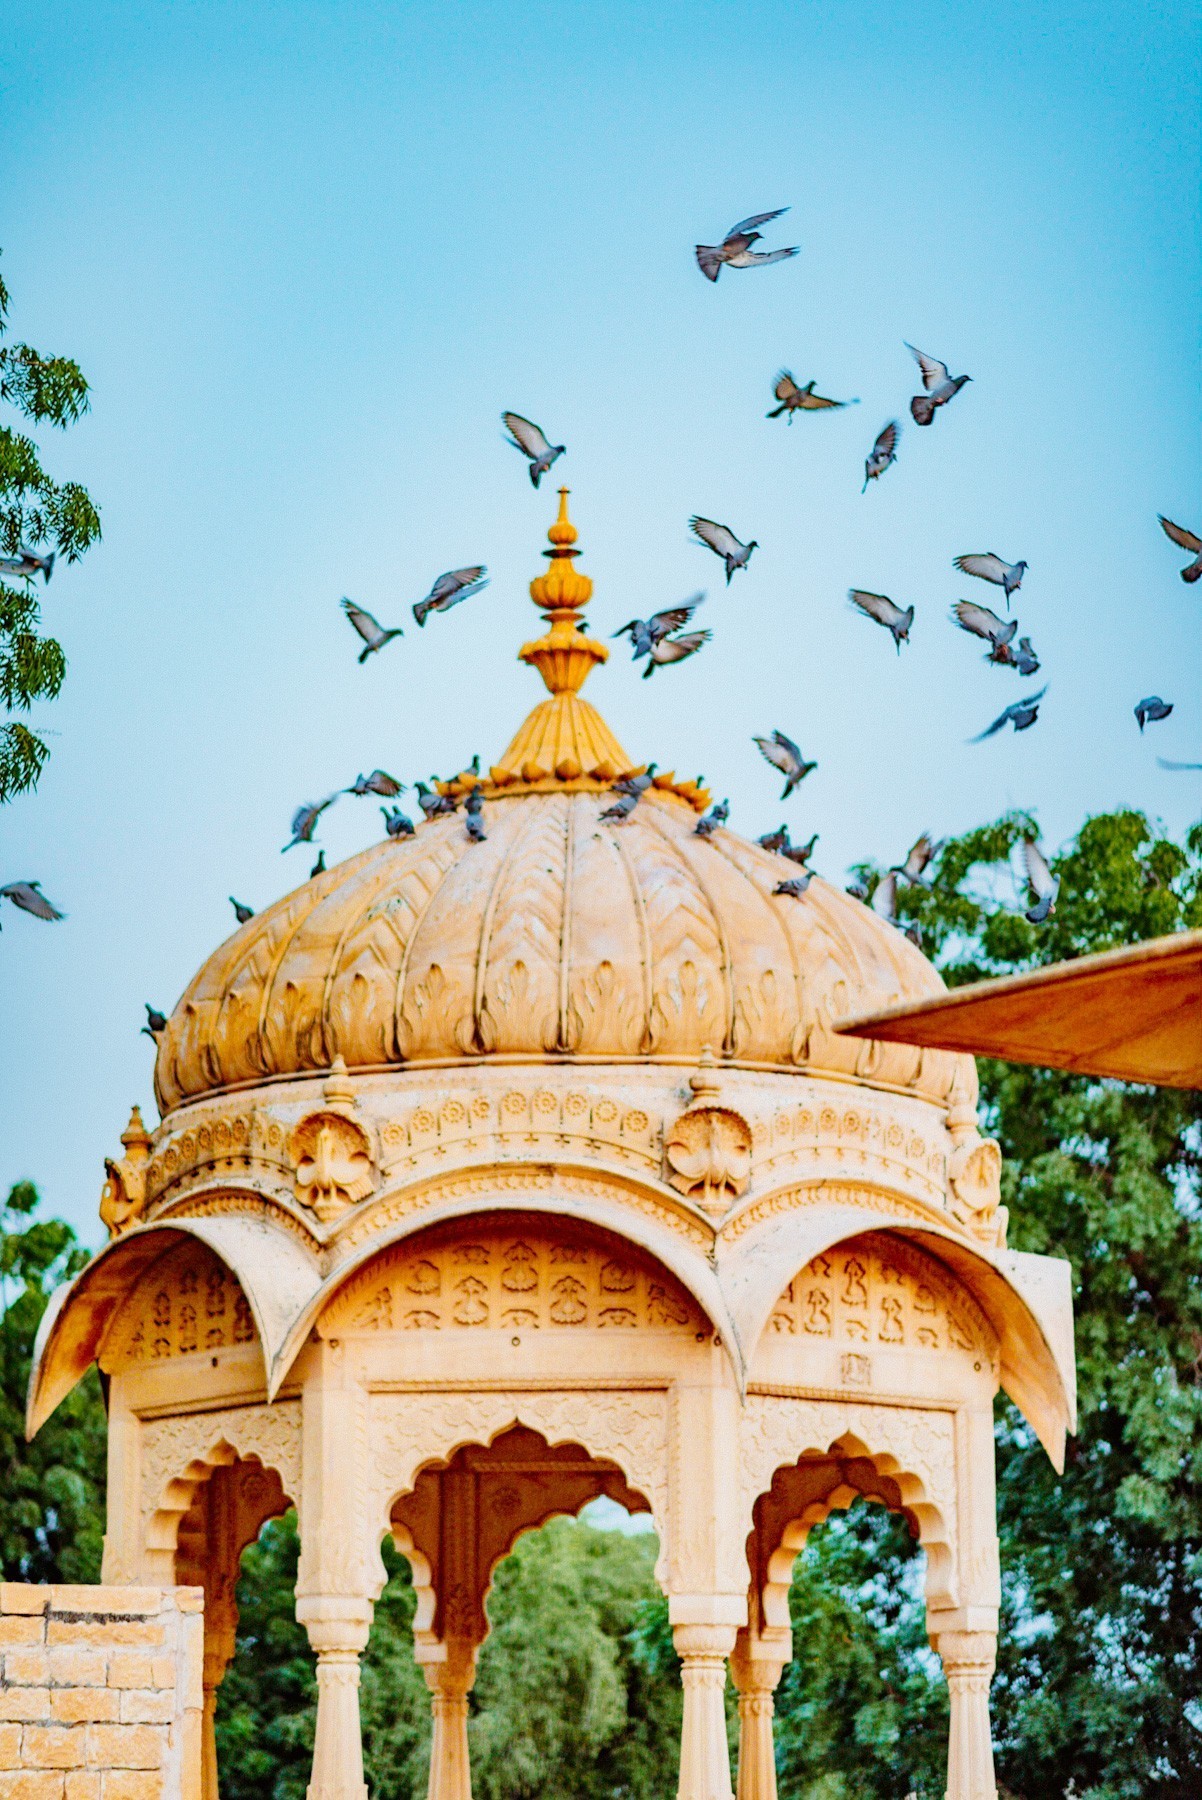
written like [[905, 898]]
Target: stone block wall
[[100, 1692]]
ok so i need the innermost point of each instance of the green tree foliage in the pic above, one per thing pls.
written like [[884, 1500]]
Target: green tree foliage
[[51, 1491], [37, 511]]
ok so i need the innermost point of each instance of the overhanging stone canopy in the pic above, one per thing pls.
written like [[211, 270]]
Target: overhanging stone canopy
[[494, 1176]]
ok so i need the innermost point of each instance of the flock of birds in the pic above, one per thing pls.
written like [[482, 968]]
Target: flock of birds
[[665, 639]]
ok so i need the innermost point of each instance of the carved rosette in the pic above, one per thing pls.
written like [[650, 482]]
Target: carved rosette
[[332, 1152], [708, 1149]]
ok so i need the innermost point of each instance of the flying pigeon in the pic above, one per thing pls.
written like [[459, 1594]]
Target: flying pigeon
[[735, 249], [1165, 763], [374, 635], [709, 823], [796, 887], [27, 896], [304, 820], [432, 804], [378, 782], [1043, 884], [884, 897], [242, 913], [784, 755], [1152, 710], [983, 622], [883, 452], [26, 564], [723, 542], [395, 822], [622, 807], [1025, 659], [914, 932], [1184, 540], [989, 567], [918, 858], [940, 386], [644, 633], [800, 399], [450, 589], [674, 649], [882, 609], [1022, 715], [527, 438], [155, 1022], [319, 867]]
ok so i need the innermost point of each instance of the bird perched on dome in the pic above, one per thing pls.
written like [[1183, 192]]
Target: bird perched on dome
[[244, 914], [883, 452], [27, 896], [784, 755], [450, 589], [882, 611], [735, 252], [1152, 710], [156, 1022], [710, 821], [644, 634], [473, 806], [319, 867], [1043, 885], [795, 887], [374, 635], [795, 399], [304, 820], [395, 822], [432, 804], [378, 782], [674, 649], [723, 542], [940, 386], [988, 567], [1184, 540], [622, 807], [27, 563], [527, 437], [639, 783], [1022, 715]]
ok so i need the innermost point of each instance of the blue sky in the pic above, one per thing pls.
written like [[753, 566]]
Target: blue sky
[[307, 253]]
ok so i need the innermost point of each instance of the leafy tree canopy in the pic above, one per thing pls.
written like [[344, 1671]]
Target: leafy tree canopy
[[35, 511]]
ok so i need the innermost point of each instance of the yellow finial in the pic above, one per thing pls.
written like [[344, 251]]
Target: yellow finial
[[565, 656], [563, 531]]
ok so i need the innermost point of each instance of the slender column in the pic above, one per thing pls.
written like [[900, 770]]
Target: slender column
[[338, 1640], [968, 1659], [756, 1663], [704, 1758], [449, 1677]]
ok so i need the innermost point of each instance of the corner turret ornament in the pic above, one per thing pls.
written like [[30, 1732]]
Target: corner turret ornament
[[974, 1172], [331, 1151], [123, 1196], [708, 1149]]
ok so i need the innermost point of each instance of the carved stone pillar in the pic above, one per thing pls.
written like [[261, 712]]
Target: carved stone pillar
[[756, 1663], [450, 1670], [338, 1638], [704, 1759], [968, 1659]]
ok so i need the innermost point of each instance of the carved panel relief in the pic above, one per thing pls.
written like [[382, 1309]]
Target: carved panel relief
[[875, 1291], [175, 1453], [516, 1276], [187, 1302]]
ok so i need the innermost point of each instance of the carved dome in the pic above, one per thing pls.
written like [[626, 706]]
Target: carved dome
[[563, 934]]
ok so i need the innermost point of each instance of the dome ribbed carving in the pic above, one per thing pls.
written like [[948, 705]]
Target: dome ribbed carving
[[561, 935]]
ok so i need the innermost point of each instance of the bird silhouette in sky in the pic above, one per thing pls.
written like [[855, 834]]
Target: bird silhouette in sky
[[1152, 710], [939, 385], [988, 567], [882, 611], [525, 436], [1184, 540], [644, 633], [304, 820], [794, 399], [883, 452], [674, 649], [450, 589], [27, 896], [378, 782], [27, 563], [1043, 885], [735, 252], [369, 628], [1022, 715], [784, 755], [723, 542]]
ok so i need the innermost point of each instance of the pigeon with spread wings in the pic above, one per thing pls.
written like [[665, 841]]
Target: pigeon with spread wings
[[1043, 885], [801, 399], [374, 635], [723, 542], [26, 564], [983, 622], [1022, 714], [304, 820], [988, 567], [674, 649], [527, 437], [940, 386], [1152, 710], [919, 857], [883, 452], [27, 896], [450, 589], [735, 252], [881, 609], [644, 633], [784, 755], [1184, 540]]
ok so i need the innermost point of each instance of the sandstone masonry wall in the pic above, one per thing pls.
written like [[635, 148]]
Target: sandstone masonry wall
[[100, 1692]]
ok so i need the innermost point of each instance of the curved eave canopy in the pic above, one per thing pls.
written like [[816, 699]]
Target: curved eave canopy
[[276, 1274], [1027, 1299], [1134, 1014]]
